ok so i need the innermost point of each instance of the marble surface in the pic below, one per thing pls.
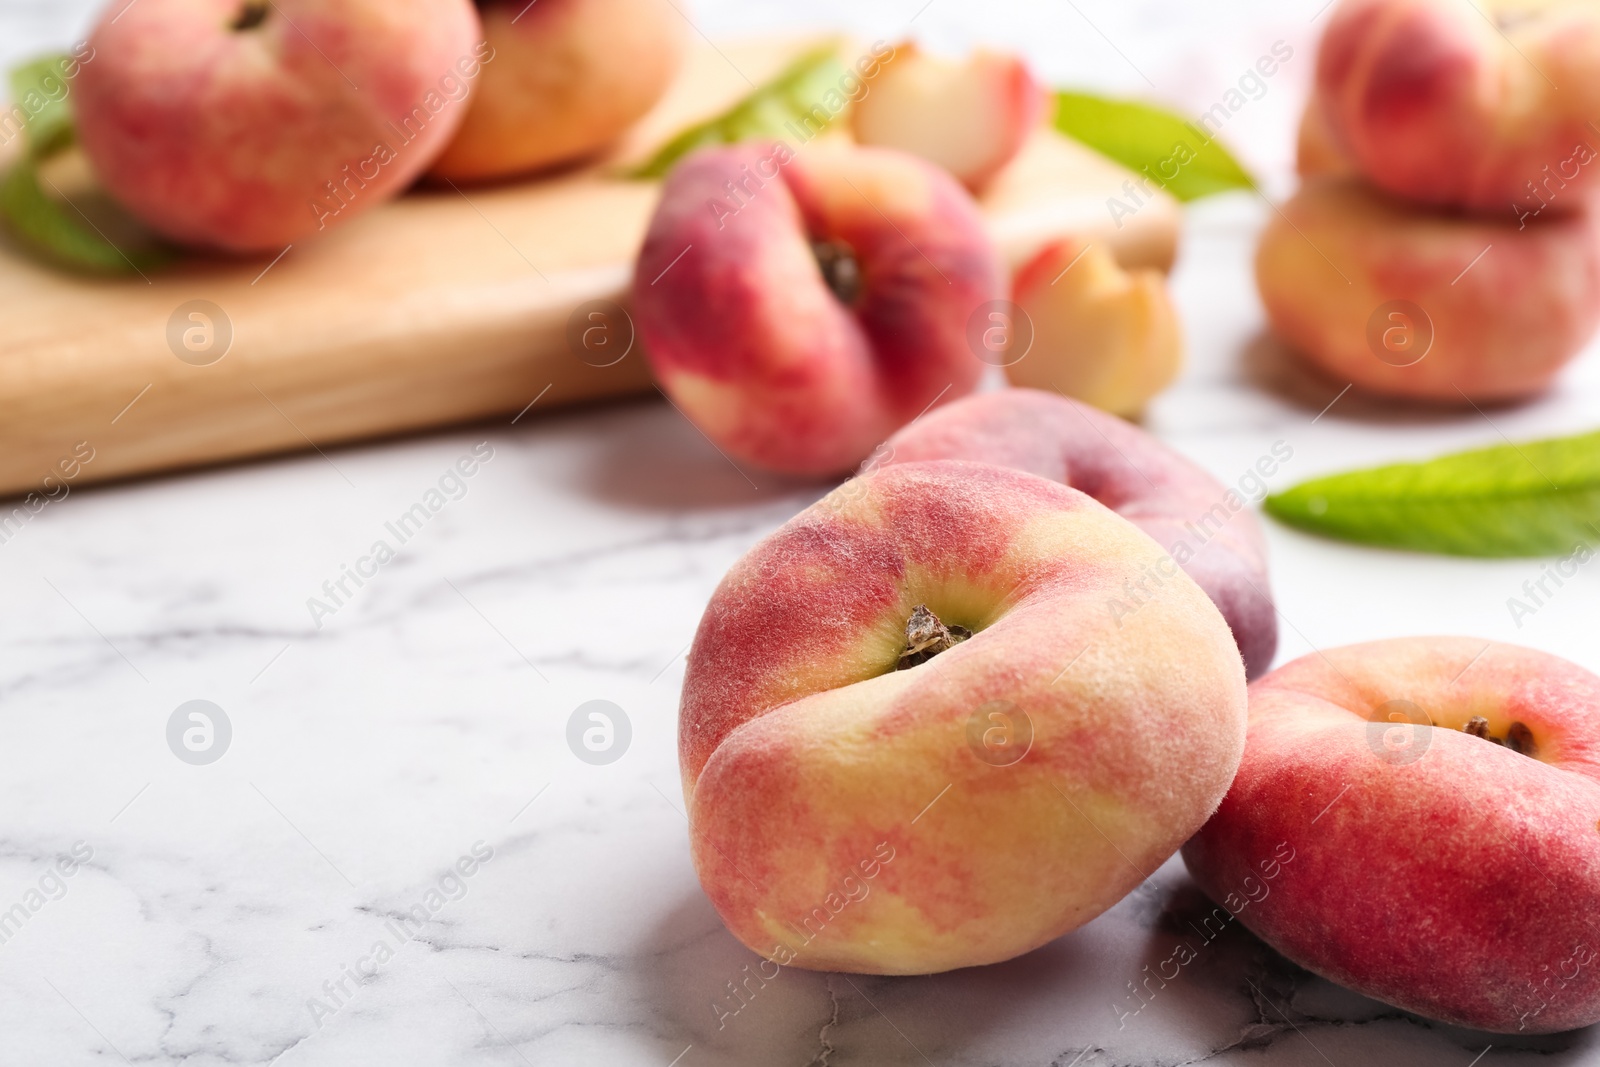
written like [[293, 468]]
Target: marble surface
[[399, 773]]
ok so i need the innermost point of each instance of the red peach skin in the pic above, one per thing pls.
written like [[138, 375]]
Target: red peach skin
[[1509, 305], [1149, 484], [749, 339], [841, 815], [1448, 105], [231, 138], [1432, 869]]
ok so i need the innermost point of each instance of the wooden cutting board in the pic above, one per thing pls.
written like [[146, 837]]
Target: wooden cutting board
[[441, 307]]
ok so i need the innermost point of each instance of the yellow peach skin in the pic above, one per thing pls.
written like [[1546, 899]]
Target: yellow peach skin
[[1317, 154], [1430, 811], [568, 78], [846, 815], [1496, 308]]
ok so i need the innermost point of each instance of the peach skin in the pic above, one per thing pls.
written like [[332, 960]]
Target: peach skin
[[569, 77], [1426, 305], [244, 125], [801, 307], [913, 739], [1104, 335], [1450, 104], [1152, 486], [1438, 800], [1317, 155]]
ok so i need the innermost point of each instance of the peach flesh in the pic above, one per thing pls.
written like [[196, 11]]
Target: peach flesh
[[970, 117], [1104, 335]]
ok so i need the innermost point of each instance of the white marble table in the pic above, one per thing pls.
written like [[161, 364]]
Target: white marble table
[[231, 913]]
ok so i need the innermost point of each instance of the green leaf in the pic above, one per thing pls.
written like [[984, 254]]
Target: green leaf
[[1536, 499], [793, 96], [1170, 150], [39, 88], [58, 233], [47, 228]]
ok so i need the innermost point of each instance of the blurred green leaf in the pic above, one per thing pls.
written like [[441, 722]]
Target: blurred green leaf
[[1171, 151], [792, 97], [58, 233], [39, 88], [1536, 499], [44, 226]]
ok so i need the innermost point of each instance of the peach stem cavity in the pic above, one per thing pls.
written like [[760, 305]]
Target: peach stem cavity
[[927, 636], [1518, 739], [251, 14], [840, 269]]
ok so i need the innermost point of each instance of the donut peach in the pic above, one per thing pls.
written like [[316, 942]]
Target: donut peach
[[245, 125], [1210, 534], [1419, 819], [1407, 302], [1479, 106], [913, 739], [801, 306], [568, 78], [1317, 154]]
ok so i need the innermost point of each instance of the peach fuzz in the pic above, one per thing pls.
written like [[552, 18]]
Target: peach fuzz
[[1433, 869], [570, 77], [1166, 495], [244, 126], [1104, 335], [801, 307], [1504, 319], [846, 815], [1480, 109], [969, 116]]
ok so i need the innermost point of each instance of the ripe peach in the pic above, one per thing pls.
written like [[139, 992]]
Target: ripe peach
[[995, 792], [570, 77], [245, 125], [1107, 336], [1433, 306], [1206, 527], [970, 117], [1448, 105], [1316, 152], [802, 307], [1437, 801]]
